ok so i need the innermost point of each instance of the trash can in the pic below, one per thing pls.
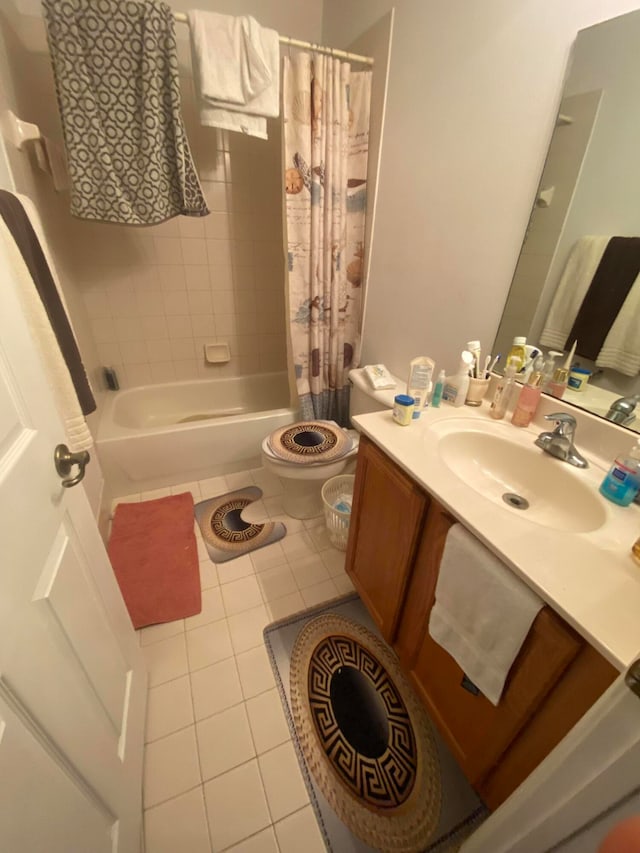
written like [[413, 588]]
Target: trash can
[[337, 497]]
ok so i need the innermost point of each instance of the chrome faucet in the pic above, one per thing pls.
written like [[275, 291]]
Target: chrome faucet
[[621, 410], [559, 442]]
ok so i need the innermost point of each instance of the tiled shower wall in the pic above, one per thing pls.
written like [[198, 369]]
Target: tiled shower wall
[[155, 296]]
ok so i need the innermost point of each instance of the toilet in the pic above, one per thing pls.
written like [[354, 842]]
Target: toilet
[[306, 454]]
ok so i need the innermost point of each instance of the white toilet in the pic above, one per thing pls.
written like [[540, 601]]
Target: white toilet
[[302, 477]]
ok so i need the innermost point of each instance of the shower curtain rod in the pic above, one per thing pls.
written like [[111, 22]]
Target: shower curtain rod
[[333, 51]]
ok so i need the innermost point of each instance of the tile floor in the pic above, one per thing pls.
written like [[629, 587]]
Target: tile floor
[[220, 768]]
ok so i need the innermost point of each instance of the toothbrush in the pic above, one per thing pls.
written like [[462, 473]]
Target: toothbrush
[[474, 348], [486, 365], [493, 364]]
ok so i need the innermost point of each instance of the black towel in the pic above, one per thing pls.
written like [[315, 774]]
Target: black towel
[[618, 269], [27, 242]]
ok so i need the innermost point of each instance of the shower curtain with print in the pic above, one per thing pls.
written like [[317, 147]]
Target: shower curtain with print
[[326, 127]]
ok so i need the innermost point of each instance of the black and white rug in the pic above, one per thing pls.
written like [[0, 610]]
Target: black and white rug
[[379, 776]]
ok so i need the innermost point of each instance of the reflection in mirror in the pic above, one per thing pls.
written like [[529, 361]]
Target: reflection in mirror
[[572, 279]]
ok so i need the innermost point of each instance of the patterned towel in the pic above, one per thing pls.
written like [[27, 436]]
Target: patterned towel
[[116, 71]]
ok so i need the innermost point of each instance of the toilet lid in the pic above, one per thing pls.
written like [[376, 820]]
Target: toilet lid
[[310, 441]]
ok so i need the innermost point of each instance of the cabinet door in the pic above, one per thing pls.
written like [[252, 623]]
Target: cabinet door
[[387, 514], [477, 731]]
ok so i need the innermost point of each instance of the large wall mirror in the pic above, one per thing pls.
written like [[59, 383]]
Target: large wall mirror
[[590, 188]]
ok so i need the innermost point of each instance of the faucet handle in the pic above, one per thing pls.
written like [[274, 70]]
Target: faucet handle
[[564, 422]]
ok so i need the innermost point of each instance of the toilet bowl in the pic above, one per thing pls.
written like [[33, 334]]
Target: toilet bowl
[[305, 455]]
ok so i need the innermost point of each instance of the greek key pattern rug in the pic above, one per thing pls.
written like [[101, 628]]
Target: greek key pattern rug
[[379, 776], [226, 534]]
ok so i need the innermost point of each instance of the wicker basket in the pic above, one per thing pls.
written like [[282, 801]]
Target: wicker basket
[[337, 520]]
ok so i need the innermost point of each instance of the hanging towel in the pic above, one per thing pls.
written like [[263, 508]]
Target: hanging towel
[[576, 278], [621, 349], [482, 613], [607, 292], [47, 318], [116, 73], [237, 71]]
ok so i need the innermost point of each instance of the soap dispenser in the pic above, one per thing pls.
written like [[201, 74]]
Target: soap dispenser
[[529, 397], [622, 482]]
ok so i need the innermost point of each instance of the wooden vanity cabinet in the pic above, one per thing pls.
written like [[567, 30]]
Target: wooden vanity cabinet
[[395, 546]]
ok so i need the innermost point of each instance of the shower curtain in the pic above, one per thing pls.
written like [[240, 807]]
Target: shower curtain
[[326, 140]]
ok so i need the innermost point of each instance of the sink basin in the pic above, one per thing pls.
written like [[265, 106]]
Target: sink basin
[[496, 465]]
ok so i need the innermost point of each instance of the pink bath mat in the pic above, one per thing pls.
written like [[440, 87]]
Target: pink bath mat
[[154, 556]]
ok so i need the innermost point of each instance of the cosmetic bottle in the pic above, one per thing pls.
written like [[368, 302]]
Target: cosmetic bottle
[[558, 384], [504, 389], [622, 482], [518, 352], [457, 385], [419, 382], [529, 397], [437, 391]]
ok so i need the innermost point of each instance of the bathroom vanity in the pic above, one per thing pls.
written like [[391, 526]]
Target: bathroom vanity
[[406, 499]]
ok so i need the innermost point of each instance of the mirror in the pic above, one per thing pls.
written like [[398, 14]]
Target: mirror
[[590, 186]]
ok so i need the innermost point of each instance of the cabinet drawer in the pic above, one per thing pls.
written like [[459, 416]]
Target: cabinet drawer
[[477, 731]]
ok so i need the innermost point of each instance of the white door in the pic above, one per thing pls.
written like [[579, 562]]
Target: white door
[[582, 788], [72, 679]]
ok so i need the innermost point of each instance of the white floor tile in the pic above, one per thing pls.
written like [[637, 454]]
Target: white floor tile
[[236, 806], [239, 480], [283, 782], [212, 610], [273, 505], [280, 608], [268, 482], [256, 674], [343, 584], [268, 557], [213, 487], [154, 494], [267, 720], [298, 545], [299, 832], [319, 593], [320, 537], [215, 688], [224, 741], [308, 571], [208, 574], [209, 644], [203, 554], [263, 842], [246, 628], [179, 824], [293, 525], [333, 560], [277, 582], [166, 659], [193, 487], [170, 767], [169, 708], [241, 595], [233, 570], [160, 632]]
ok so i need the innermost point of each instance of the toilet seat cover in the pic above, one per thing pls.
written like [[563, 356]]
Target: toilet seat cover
[[310, 441]]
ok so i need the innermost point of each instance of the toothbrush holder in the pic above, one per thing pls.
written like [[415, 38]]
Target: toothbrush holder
[[476, 392]]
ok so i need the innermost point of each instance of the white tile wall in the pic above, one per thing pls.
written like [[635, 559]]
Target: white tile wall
[[155, 296]]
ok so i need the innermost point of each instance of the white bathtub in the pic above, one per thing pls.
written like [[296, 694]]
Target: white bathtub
[[161, 435]]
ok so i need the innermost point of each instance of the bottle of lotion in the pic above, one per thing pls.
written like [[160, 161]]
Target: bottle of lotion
[[419, 383], [438, 389], [456, 386]]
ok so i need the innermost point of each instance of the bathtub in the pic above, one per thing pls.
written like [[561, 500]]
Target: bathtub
[[176, 432]]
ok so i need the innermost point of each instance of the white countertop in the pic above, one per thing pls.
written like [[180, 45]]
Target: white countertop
[[590, 579]]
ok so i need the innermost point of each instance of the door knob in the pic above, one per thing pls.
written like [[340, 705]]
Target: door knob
[[65, 460]]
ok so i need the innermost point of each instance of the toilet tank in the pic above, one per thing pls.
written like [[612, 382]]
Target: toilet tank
[[364, 399]]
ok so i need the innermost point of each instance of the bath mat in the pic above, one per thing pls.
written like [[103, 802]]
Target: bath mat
[[225, 533], [380, 778], [154, 556]]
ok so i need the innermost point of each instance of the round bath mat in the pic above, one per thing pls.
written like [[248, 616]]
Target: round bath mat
[[310, 441], [364, 736]]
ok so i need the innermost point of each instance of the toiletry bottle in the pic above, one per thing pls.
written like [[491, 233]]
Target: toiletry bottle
[[518, 352], [549, 368], [419, 382], [529, 397], [403, 409], [437, 391], [456, 386], [622, 482], [558, 384], [504, 389]]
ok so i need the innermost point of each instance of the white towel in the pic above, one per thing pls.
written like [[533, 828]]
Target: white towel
[[482, 612], [574, 283], [621, 348], [78, 436], [236, 70]]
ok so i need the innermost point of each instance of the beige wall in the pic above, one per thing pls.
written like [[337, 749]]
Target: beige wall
[[473, 91]]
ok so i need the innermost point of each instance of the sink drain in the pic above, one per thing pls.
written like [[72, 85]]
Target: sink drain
[[516, 501]]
